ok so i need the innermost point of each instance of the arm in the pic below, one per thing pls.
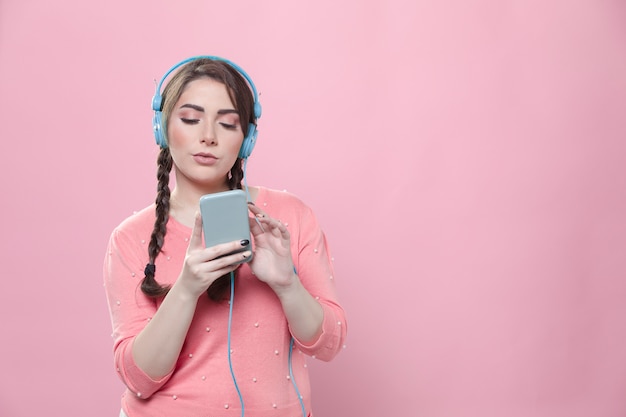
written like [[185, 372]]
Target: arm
[[273, 265], [157, 347], [304, 314], [308, 298], [147, 340]]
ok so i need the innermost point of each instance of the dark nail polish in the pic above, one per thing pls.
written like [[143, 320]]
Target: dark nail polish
[[245, 242]]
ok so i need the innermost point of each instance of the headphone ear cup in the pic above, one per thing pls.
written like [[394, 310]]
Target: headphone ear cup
[[158, 128], [248, 142]]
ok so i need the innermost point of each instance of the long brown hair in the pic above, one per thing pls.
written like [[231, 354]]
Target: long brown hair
[[243, 100]]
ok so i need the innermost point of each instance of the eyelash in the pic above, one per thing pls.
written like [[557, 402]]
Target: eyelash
[[196, 121]]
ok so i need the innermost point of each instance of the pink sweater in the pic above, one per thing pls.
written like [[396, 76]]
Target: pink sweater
[[201, 384]]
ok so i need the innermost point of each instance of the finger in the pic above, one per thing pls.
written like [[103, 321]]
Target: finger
[[195, 241], [255, 226], [279, 229], [256, 211], [235, 259], [270, 222], [218, 251], [275, 227], [284, 232], [213, 269], [224, 264]]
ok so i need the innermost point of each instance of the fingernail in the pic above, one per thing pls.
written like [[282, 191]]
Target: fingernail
[[246, 255], [245, 242], [251, 203]]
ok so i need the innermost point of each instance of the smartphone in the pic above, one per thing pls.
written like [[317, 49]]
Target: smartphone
[[225, 219]]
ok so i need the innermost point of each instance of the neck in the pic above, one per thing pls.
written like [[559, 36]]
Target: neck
[[185, 198]]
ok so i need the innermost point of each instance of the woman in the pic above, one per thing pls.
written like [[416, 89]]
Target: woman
[[185, 342]]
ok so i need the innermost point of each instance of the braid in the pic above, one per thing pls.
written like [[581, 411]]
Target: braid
[[236, 175], [218, 288], [149, 285], [243, 99]]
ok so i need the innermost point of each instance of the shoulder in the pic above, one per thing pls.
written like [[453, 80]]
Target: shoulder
[[128, 241], [139, 223], [287, 207], [282, 200]]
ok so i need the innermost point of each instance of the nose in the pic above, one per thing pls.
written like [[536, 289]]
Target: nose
[[208, 134]]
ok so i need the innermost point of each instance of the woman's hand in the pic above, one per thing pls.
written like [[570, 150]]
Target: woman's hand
[[272, 261], [272, 264], [203, 265]]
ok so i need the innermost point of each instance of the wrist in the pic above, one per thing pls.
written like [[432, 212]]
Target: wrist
[[288, 287], [182, 293]]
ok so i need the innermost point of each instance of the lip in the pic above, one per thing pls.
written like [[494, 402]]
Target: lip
[[204, 158]]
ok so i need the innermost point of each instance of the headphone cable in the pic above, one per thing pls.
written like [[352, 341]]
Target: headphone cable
[[230, 320]]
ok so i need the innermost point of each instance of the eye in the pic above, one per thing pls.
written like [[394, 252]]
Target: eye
[[228, 126], [189, 121]]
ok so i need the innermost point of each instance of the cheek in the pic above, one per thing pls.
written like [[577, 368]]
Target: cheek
[[234, 141], [237, 144], [175, 134]]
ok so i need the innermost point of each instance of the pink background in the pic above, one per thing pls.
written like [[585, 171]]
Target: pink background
[[466, 159]]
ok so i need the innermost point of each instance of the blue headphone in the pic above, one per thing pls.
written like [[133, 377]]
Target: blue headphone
[[159, 128]]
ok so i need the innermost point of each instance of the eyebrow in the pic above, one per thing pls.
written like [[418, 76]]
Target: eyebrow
[[201, 109]]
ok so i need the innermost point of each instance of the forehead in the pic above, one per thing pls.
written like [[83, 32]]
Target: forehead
[[206, 90]]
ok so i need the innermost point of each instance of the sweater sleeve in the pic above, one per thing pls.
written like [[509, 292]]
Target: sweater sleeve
[[315, 269], [129, 308]]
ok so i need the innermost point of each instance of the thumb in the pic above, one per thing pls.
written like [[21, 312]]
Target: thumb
[[195, 242]]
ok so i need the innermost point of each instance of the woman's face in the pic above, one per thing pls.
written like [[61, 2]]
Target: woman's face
[[204, 135]]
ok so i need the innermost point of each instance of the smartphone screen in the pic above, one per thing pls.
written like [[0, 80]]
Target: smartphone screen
[[225, 219]]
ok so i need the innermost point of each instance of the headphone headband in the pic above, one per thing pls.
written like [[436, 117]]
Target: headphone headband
[[157, 103]]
